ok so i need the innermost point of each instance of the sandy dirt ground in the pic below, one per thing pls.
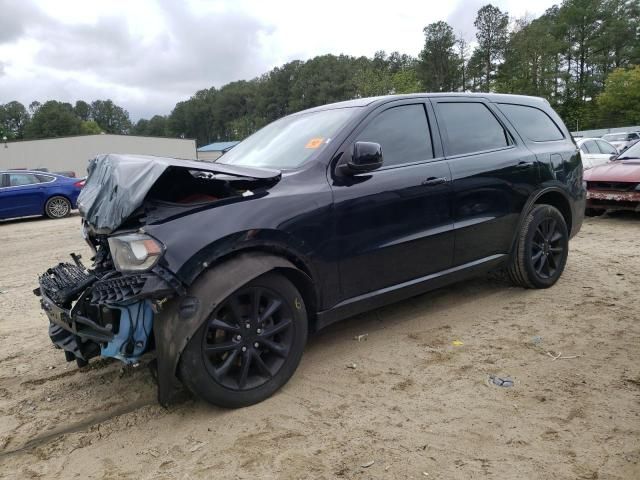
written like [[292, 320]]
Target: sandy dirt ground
[[416, 405]]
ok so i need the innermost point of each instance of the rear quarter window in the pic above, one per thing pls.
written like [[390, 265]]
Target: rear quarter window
[[532, 122]]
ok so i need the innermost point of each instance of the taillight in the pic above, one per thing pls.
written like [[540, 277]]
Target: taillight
[[79, 184]]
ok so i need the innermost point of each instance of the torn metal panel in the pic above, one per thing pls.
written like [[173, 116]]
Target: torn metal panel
[[118, 184]]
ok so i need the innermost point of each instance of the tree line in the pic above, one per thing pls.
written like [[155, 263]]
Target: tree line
[[583, 56]]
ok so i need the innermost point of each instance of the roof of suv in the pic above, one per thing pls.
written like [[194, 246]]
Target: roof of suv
[[493, 97]]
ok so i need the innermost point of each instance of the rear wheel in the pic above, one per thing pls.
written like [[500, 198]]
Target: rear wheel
[[57, 207], [541, 250], [249, 346]]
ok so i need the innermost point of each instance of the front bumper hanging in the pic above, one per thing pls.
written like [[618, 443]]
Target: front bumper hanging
[[109, 314]]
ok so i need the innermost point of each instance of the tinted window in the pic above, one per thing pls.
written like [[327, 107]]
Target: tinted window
[[532, 123], [606, 148], [471, 127], [17, 179], [403, 133]]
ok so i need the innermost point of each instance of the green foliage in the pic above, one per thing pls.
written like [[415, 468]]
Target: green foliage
[[110, 117], [82, 110], [492, 34], [13, 120], [157, 126], [53, 119], [439, 65], [90, 127], [619, 103]]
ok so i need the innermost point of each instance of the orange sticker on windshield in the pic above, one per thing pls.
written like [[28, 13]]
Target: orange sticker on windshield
[[314, 142]]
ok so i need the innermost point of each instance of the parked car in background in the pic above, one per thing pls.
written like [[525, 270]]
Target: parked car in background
[[595, 151], [67, 173], [30, 192], [621, 140], [616, 185]]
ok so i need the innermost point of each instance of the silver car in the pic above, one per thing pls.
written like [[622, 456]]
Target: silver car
[[621, 140]]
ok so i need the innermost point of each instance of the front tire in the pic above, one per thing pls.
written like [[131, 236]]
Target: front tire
[[249, 346], [57, 207], [541, 249]]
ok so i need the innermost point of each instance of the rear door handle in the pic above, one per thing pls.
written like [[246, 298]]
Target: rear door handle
[[524, 164], [435, 181]]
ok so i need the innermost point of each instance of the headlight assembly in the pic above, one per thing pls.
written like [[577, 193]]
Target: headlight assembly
[[134, 252]]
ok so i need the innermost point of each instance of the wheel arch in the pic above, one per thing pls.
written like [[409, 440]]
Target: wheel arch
[[553, 196], [181, 317]]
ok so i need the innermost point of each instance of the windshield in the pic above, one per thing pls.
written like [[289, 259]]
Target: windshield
[[632, 152], [616, 137], [289, 142]]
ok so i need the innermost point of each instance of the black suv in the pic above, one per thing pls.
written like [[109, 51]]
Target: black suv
[[224, 268]]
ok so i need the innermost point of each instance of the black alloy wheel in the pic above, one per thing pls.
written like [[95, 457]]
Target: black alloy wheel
[[547, 248], [248, 338], [250, 344], [541, 249]]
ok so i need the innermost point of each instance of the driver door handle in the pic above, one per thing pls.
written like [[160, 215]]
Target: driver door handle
[[524, 164], [431, 181]]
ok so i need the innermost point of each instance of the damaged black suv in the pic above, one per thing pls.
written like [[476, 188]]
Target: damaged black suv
[[224, 268]]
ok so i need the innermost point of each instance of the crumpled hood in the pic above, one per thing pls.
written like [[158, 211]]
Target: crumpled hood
[[118, 184], [616, 171]]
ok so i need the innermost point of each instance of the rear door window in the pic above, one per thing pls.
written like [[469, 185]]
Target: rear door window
[[532, 122], [403, 134], [471, 127], [606, 148], [590, 147]]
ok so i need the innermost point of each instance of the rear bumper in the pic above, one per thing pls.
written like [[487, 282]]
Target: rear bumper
[[613, 200]]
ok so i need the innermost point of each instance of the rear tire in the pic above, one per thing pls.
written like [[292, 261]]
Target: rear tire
[[249, 346], [57, 207], [541, 250]]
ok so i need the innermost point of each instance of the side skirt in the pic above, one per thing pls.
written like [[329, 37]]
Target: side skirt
[[369, 301]]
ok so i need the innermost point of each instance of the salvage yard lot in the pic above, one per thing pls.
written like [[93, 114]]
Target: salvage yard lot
[[403, 396]]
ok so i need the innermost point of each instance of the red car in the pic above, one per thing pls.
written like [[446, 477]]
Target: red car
[[615, 185]]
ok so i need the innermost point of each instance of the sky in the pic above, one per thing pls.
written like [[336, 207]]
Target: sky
[[146, 55]]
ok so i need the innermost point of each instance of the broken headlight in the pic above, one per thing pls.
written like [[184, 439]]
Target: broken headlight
[[134, 252]]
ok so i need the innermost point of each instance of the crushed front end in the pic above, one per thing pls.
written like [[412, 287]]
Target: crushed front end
[[131, 300], [102, 311]]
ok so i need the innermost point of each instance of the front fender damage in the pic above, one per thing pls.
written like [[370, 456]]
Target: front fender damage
[[180, 317]]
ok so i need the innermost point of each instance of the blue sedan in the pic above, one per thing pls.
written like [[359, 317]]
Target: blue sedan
[[24, 193]]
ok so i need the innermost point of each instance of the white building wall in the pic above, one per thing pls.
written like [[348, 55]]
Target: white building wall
[[73, 153], [209, 156]]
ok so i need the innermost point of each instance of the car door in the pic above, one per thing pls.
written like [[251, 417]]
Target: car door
[[592, 154], [606, 152], [394, 224], [4, 205], [493, 175], [23, 195]]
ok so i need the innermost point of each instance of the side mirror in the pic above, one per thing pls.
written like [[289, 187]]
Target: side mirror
[[366, 157], [613, 157]]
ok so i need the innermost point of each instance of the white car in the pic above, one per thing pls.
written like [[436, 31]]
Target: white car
[[621, 140], [595, 152]]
